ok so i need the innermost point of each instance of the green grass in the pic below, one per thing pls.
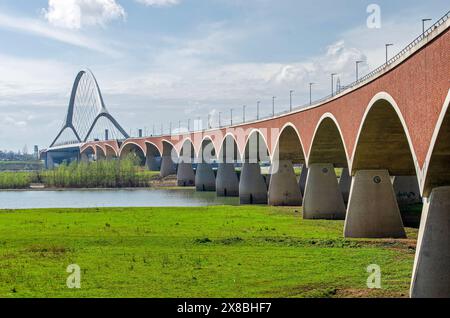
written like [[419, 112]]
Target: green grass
[[247, 251]]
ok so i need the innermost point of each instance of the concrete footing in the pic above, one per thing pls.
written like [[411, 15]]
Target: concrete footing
[[204, 178], [252, 186], [152, 163], [283, 187], [372, 208], [323, 198], [227, 182], [168, 167], [345, 182], [431, 275], [407, 190], [185, 175]]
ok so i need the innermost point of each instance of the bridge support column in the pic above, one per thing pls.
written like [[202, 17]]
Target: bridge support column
[[323, 198], [407, 190], [168, 167], [227, 182], [49, 163], [345, 181], [252, 187], [185, 175], [302, 181], [372, 208], [204, 177], [431, 276], [152, 163], [283, 187]]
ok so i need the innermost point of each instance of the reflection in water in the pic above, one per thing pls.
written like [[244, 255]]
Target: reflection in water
[[110, 198]]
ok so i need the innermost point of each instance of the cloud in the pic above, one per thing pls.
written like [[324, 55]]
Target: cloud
[[36, 27], [76, 14], [159, 3]]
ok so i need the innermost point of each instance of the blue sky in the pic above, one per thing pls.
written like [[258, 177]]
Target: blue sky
[[169, 60]]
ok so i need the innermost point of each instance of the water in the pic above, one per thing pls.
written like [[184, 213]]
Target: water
[[110, 198]]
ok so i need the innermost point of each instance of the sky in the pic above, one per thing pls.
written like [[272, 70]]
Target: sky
[[161, 61]]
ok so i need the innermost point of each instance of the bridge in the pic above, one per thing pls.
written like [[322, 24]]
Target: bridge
[[388, 130]]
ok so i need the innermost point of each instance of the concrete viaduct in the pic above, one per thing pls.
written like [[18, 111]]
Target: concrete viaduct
[[393, 123]]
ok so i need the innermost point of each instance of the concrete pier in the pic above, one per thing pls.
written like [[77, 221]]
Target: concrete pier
[[431, 275], [345, 182], [252, 186], [323, 198], [205, 179], [283, 187], [168, 167], [302, 181], [372, 208], [227, 182], [185, 175], [152, 163], [407, 190]]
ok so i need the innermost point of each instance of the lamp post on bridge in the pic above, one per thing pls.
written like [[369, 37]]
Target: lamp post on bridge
[[387, 47], [243, 113], [220, 121], [290, 99], [209, 121], [332, 83], [231, 117], [310, 93], [423, 25], [273, 105], [257, 109], [357, 69]]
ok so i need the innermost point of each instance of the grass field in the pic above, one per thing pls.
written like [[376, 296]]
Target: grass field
[[246, 251]]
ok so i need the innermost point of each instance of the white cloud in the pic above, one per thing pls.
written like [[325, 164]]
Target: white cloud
[[75, 14], [159, 3], [36, 27]]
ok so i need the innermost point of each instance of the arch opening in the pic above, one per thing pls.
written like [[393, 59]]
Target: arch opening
[[383, 143], [134, 152], [327, 145]]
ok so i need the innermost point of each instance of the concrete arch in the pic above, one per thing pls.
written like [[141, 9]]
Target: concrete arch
[[289, 145], [328, 144], [100, 152], [436, 170], [224, 147], [207, 151], [383, 140], [186, 152], [152, 149], [133, 148], [110, 152], [89, 150], [252, 150]]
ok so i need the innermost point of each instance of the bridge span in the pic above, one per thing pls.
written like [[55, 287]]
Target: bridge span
[[393, 124]]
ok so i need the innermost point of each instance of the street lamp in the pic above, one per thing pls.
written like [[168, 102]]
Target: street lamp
[[257, 109], [387, 46], [189, 125], [220, 123], [310, 93], [290, 99], [423, 24], [332, 83], [231, 117], [243, 113], [357, 69], [209, 121], [273, 105]]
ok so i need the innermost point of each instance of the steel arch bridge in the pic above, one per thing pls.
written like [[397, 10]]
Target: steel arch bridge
[[87, 115]]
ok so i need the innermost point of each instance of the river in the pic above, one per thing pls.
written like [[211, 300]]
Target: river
[[30, 199]]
